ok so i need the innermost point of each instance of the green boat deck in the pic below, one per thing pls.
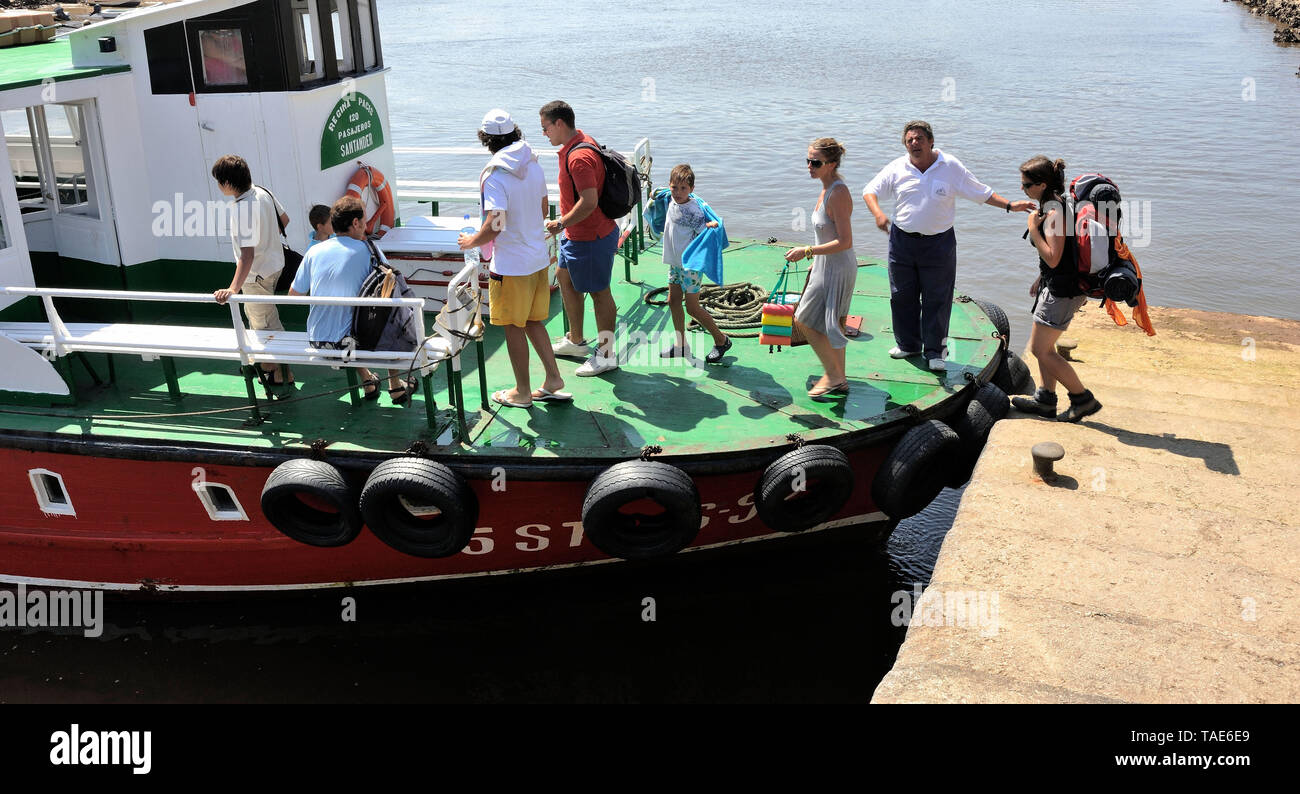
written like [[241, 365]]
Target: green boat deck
[[751, 400]]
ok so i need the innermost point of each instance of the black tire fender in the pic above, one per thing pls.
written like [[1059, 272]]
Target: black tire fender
[[972, 426], [1013, 375], [419, 507], [997, 317], [803, 488], [915, 470], [994, 400], [638, 536], [304, 523]]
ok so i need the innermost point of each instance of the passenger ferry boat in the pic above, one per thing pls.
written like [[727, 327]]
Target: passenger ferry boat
[[136, 451]]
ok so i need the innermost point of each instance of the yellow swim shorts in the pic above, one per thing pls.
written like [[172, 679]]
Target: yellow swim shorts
[[518, 300]]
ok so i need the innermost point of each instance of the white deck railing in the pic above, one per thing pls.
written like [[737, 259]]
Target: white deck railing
[[467, 191], [55, 338]]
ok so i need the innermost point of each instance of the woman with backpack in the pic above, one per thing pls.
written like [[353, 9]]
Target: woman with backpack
[[1056, 292]]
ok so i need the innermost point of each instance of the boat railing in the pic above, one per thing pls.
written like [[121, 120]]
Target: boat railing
[[455, 325]]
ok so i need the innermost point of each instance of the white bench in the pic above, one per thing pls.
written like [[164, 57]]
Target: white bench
[[152, 342], [455, 325]]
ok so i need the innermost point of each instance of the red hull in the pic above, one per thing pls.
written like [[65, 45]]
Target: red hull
[[140, 524]]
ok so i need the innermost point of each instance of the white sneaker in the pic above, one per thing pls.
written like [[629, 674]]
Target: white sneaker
[[938, 365], [597, 365], [898, 352], [567, 347]]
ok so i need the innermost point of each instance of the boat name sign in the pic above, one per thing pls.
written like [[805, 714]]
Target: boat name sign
[[353, 128]]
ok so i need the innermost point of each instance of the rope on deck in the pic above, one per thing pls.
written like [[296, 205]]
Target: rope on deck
[[733, 306]]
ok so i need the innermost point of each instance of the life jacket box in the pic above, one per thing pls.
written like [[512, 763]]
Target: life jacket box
[[424, 250], [26, 35], [46, 32], [6, 24], [7, 39], [43, 18]]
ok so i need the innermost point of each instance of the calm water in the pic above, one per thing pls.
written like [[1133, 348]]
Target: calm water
[[738, 89], [1149, 93]]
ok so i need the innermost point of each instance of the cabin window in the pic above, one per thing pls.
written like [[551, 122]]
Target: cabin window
[[25, 158], [220, 502], [48, 155], [307, 31], [342, 27], [66, 128], [223, 57], [365, 21], [51, 496]]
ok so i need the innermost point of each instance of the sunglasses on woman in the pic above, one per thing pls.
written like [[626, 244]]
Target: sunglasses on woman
[[814, 163]]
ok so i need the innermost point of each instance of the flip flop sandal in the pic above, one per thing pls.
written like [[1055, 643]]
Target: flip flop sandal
[[546, 395], [838, 388], [500, 399], [371, 393]]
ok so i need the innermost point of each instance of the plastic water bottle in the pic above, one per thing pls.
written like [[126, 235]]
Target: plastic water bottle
[[471, 254]]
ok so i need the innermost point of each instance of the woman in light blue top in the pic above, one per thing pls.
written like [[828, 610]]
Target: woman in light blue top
[[833, 272]]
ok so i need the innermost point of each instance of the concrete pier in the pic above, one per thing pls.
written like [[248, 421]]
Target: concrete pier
[[1163, 564]]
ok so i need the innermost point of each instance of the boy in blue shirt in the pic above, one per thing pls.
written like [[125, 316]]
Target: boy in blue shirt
[[319, 220]]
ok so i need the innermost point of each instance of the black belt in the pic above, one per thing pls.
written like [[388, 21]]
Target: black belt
[[918, 234]]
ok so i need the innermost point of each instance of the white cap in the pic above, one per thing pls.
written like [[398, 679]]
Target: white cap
[[497, 122]]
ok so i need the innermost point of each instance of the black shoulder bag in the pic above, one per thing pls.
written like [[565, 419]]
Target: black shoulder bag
[[291, 257]]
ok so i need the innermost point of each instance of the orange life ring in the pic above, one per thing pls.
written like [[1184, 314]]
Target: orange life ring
[[372, 179]]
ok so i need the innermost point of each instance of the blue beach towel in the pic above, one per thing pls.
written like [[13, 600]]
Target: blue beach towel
[[656, 213], [704, 252]]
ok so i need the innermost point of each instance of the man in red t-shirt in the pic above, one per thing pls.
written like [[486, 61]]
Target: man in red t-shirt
[[589, 244]]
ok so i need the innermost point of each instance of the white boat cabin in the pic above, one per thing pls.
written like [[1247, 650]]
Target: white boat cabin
[[110, 134]]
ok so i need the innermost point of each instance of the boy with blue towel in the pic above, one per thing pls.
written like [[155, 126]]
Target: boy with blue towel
[[693, 239]]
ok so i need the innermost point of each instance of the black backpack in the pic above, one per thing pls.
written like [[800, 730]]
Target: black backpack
[[622, 188], [386, 327]]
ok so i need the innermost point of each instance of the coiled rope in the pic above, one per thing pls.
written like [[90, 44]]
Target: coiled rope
[[733, 306]]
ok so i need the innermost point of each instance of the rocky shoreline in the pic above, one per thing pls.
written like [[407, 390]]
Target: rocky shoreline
[[1284, 13]]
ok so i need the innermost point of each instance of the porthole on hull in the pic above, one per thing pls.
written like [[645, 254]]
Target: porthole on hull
[[220, 502], [51, 496]]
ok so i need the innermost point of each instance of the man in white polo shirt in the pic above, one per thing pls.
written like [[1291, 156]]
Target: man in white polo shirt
[[925, 184], [519, 291], [259, 255]]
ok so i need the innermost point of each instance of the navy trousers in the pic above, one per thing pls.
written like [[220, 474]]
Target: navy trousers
[[922, 272]]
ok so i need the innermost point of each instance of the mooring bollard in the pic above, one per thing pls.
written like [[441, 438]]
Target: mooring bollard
[[1065, 346], [1045, 454]]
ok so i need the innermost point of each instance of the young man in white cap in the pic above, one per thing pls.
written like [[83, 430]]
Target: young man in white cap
[[514, 212]]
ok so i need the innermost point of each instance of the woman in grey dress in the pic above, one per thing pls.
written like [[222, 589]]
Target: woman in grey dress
[[834, 269]]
